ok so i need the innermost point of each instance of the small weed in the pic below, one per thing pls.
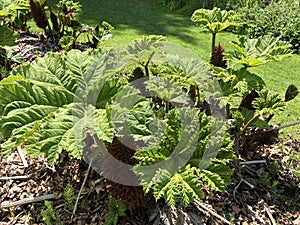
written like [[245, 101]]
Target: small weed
[[116, 210], [69, 195], [49, 215]]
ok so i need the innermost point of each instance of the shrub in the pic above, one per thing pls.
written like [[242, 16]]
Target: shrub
[[188, 6], [279, 19]]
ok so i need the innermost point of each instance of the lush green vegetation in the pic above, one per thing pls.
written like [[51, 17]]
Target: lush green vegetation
[[199, 107], [131, 19], [277, 19]]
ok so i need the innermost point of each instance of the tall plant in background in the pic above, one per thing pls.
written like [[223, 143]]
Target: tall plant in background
[[14, 14], [249, 102], [64, 18], [63, 26], [215, 20]]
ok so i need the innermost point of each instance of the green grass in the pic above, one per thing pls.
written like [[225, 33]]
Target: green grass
[[134, 18]]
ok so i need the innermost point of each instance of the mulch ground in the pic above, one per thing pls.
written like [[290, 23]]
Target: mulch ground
[[261, 193]]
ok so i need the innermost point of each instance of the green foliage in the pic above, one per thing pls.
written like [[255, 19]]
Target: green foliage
[[244, 116], [188, 6], [48, 105], [215, 20], [38, 108], [185, 147], [249, 103], [50, 209], [268, 103], [279, 19], [256, 52], [183, 185], [116, 209], [14, 13], [49, 215], [235, 4], [7, 37], [46, 217], [60, 22], [66, 43], [69, 195], [7, 57], [236, 84]]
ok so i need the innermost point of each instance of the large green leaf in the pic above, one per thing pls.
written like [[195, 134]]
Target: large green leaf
[[216, 20], [268, 103], [37, 107], [65, 129], [57, 70], [212, 180], [183, 186], [7, 37], [256, 52]]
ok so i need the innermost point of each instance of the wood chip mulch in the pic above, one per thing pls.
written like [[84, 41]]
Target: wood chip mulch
[[260, 193]]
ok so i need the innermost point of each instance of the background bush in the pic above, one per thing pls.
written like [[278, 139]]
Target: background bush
[[279, 19], [189, 6]]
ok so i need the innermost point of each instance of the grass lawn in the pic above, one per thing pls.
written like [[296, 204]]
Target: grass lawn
[[134, 18]]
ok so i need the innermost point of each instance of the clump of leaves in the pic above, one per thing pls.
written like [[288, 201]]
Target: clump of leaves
[[215, 20], [274, 19], [256, 52], [48, 86], [116, 209], [63, 25], [248, 100], [51, 103], [14, 14]]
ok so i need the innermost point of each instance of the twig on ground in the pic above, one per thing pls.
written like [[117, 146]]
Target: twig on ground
[[255, 214], [201, 207], [270, 215], [29, 200], [253, 162], [81, 188], [247, 182], [21, 154], [235, 190], [15, 177]]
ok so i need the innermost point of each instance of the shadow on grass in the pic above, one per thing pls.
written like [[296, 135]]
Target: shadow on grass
[[142, 16]]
